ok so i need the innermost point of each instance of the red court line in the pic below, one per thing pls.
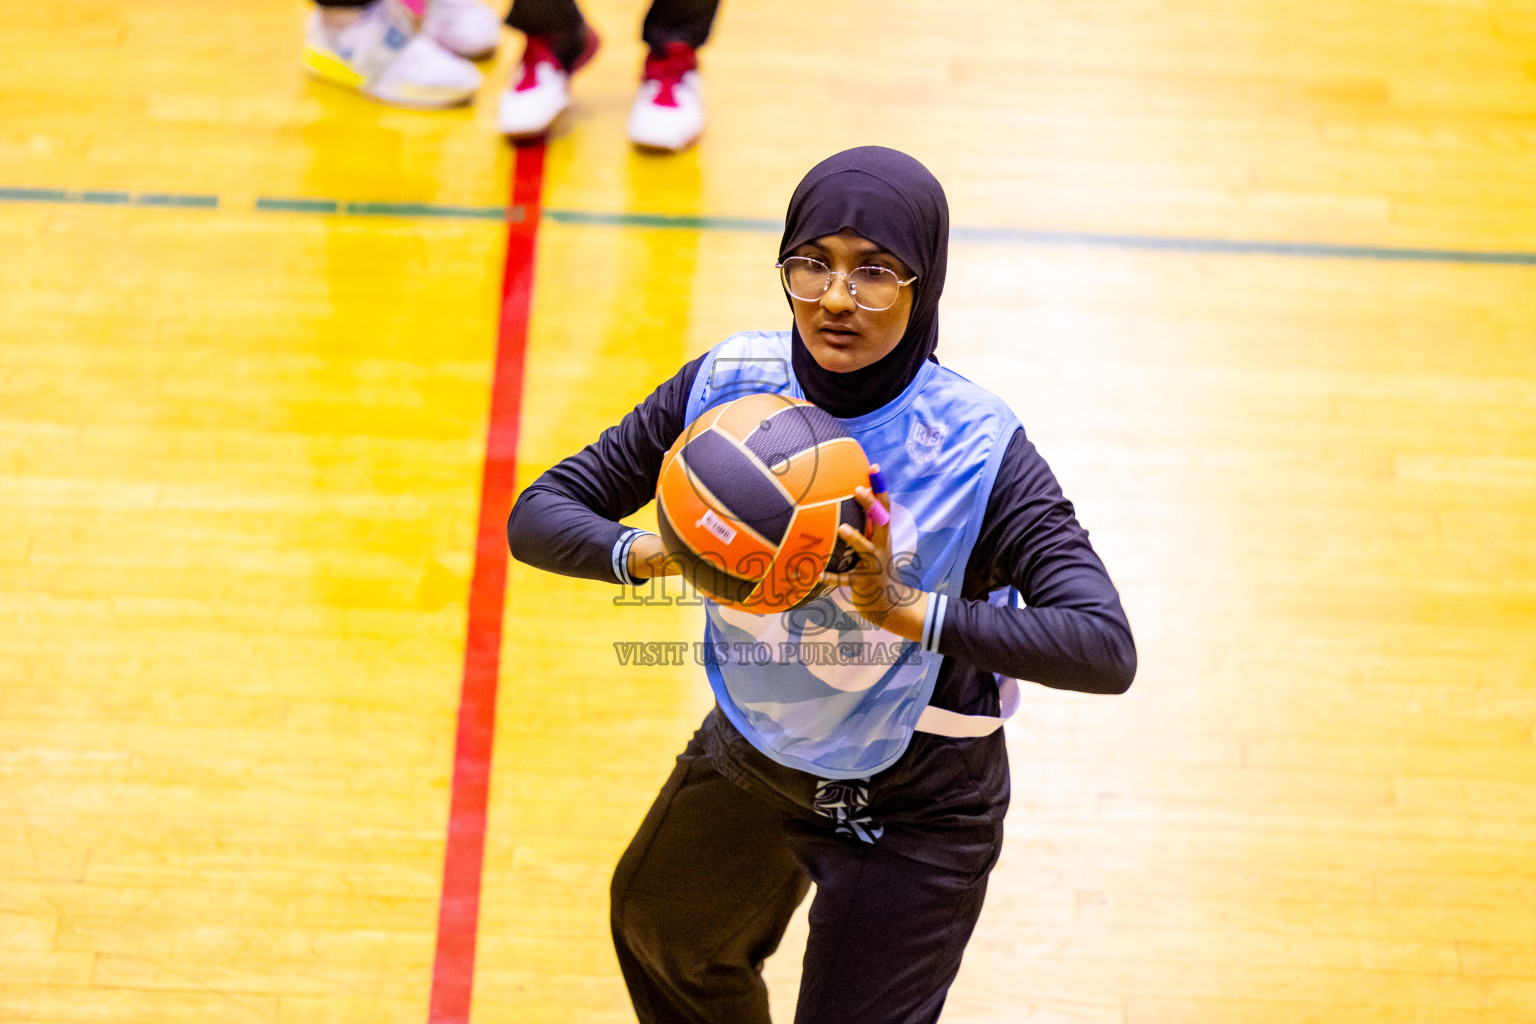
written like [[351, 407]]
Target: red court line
[[453, 968]]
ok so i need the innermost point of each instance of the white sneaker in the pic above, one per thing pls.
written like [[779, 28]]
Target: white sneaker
[[467, 27], [540, 89], [669, 112], [381, 56]]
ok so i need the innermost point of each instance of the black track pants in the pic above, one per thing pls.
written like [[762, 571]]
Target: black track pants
[[705, 890], [684, 21]]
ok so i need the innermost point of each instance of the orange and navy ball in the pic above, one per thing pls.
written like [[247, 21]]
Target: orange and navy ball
[[750, 497]]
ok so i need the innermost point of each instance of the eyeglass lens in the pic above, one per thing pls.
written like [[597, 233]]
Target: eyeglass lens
[[874, 288]]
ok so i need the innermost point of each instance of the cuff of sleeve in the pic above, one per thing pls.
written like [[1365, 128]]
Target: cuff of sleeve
[[933, 621], [621, 556]]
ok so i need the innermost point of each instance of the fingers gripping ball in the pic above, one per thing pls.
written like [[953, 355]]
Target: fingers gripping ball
[[750, 497]]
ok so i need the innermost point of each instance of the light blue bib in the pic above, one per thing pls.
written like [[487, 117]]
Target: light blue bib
[[819, 688]]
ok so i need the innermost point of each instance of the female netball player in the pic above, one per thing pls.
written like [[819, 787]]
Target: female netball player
[[884, 784]]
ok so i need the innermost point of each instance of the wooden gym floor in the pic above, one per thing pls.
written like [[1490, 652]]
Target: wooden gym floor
[[1259, 278]]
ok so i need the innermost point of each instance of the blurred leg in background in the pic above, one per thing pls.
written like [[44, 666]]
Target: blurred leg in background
[[668, 113]]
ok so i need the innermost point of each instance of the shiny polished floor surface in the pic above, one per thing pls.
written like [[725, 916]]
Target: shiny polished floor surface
[[1259, 279]]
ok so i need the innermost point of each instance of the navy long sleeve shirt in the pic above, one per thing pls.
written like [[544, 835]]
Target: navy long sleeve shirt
[[1072, 633]]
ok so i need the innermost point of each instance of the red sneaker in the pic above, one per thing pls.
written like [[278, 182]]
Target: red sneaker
[[541, 88], [669, 112]]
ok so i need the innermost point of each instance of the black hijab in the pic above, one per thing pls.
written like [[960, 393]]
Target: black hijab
[[892, 200]]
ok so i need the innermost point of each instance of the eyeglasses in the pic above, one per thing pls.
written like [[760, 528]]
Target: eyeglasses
[[871, 288]]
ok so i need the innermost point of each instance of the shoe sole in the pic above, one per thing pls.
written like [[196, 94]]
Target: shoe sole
[[516, 137], [651, 147], [485, 54], [328, 69], [533, 134], [661, 148]]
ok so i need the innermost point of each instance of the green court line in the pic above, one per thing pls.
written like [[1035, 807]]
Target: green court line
[[1237, 246], [161, 199], [448, 212], [700, 222], [693, 222], [298, 205], [58, 195], [426, 210], [107, 198]]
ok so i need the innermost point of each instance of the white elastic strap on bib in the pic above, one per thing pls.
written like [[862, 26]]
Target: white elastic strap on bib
[[952, 723]]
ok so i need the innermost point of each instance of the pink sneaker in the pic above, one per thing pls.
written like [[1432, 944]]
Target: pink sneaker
[[669, 112], [540, 89]]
